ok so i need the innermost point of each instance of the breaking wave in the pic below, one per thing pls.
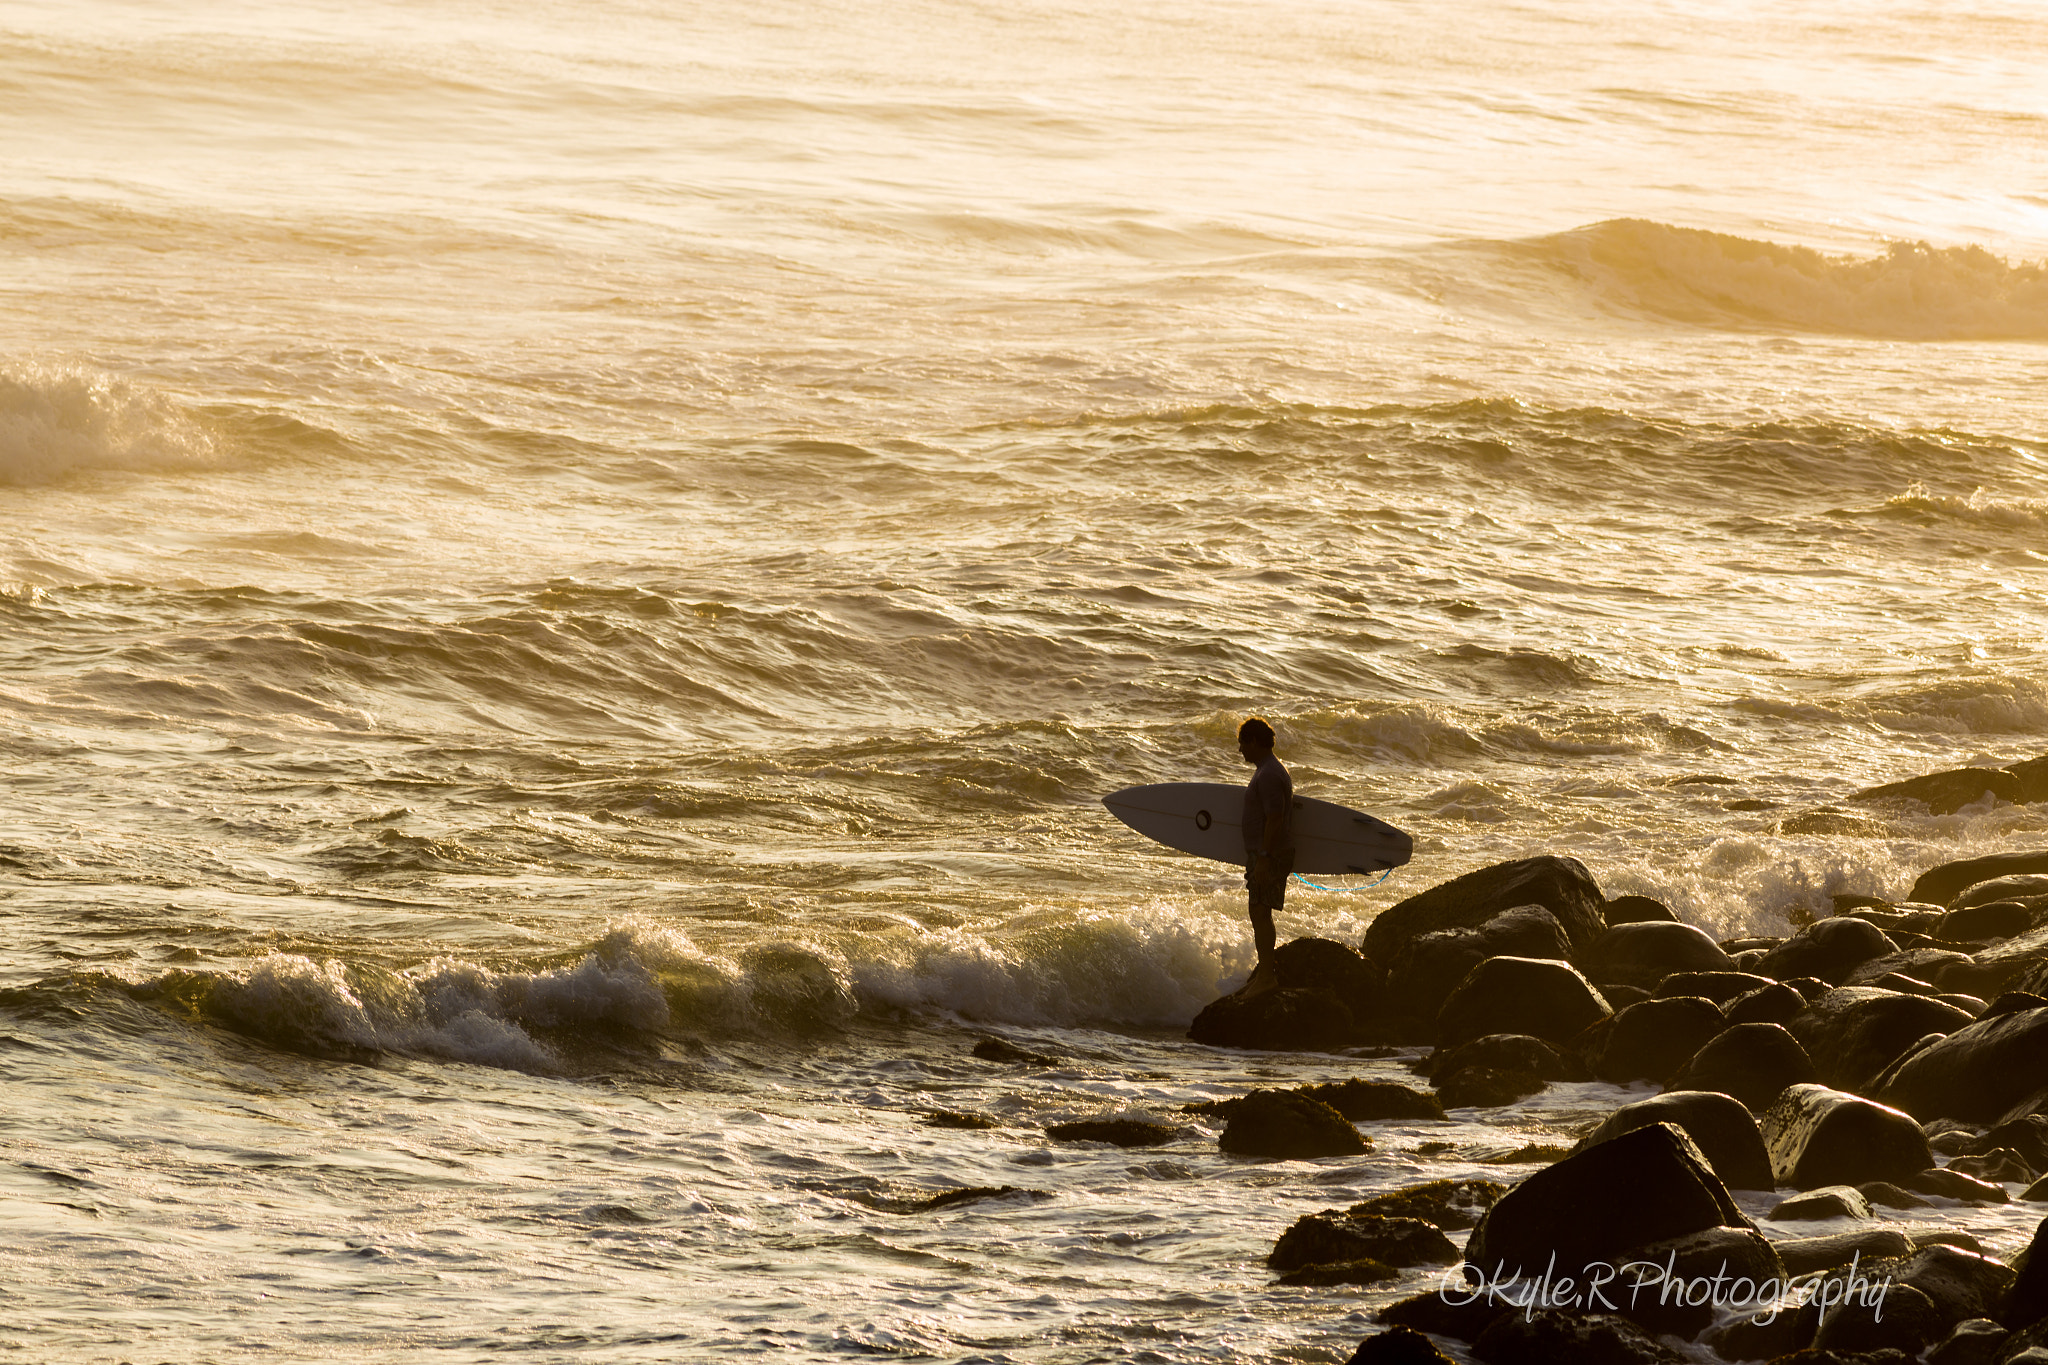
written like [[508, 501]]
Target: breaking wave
[[56, 422]]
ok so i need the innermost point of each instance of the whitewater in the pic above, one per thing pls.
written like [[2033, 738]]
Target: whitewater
[[572, 577]]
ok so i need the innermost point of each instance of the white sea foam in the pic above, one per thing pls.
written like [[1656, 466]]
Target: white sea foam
[[58, 421]]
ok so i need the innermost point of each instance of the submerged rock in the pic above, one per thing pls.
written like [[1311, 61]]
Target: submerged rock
[[1278, 1123], [1450, 1204], [1329, 1239], [1119, 1132], [1945, 793], [1398, 1346]]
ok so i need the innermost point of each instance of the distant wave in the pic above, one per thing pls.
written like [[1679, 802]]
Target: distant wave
[[1910, 291], [60, 421]]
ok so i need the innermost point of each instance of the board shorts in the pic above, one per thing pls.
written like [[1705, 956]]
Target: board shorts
[[1269, 891]]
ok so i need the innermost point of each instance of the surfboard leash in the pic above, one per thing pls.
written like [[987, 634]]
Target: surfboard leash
[[1320, 887]]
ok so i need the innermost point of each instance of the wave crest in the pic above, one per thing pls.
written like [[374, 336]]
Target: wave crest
[[55, 422], [1910, 291]]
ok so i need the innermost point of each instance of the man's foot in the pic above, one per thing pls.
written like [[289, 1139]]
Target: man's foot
[[1262, 979]]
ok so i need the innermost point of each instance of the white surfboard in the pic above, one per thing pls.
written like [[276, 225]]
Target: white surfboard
[[1204, 818]]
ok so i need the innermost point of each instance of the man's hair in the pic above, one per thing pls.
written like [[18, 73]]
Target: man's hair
[[1257, 731]]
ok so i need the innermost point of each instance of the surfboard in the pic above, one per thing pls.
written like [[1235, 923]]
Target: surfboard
[[1203, 818]]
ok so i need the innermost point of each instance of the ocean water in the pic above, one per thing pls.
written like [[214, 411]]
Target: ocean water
[[573, 576]]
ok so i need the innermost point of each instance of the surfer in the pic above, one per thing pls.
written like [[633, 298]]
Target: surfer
[[1268, 832]]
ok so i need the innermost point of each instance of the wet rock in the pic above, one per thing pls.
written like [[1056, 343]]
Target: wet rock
[[2019, 963], [1752, 1062], [956, 1118], [1507, 1052], [1275, 1019], [1961, 1284], [1325, 964], [1599, 1206], [1003, 1050], [1942, 884], [1829, 949], [2000, 1166], [1829, 1201], [1620, 998], [947, 1199], [1773, 1334], [1818, 1136], [1652, 1040], [1898, 1317], [1644, 954], [1450, 1204], [1361, 1271], [1332, 1238], [1808, 1255], [1920, 966], [1638, 910], [1538, 996], [1945, 793], [1985, 1072], [1719, 987], [1442, 1314], [1776, 1003], [1562, 886], [1982, 923], [1976, 1341], [2025, 1301], [1118, 1132], [1363, 1101], [1948, 1184], [1724, 1131], [2033, 776], [1854, 1033], [1277, 1123], [2025, 887], [1427, 969], [1884, 1194], [1675, 1269], [2028, 1136], [1560, 1338], [2012, 1002], [1485, 1087], [1398, 1346], [2037, 1193]]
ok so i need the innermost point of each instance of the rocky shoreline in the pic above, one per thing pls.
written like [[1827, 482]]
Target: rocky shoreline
[[1889, 1055]]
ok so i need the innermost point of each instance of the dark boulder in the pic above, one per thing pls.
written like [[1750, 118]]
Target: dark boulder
[[1961, 1284], [1331, 1238], [2028, 1136], [1426, 969], [1638, 910], [1882, 1194], [1485, 1087], [2000, 1166], [1676, 1269], [1520, 995], [1445, 1311], [1984, 922], [2026, 887], [1776, 1003], [1324, 1274], [1598, 1206], [1450, 1204], [1829, 1201], [1364, 1101], [1719, 987], [1945, 793], [1854, 1033], [1509, 1052], [1870, 1319], [1752, 1062], [1275, 1020], [2025, 1301], [1325, 964], [1944, 1183], [1806, 1255], [1989, 1071], [2012, 1002], [1941, 884], [1562, 886], [1398, 1346], [1819, 1136], [1652, 1040], [1975, 1341], [1118, 1132], [1644, 954], [2033, 776], [1003, 1050], [1551, 1337], [1920, 965], [1279, 1123], [2019, 963], [1829, 949], [1724, 1131]]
